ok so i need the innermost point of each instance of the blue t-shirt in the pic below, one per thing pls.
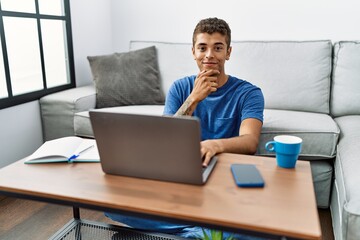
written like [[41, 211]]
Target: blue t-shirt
[[222, 112]]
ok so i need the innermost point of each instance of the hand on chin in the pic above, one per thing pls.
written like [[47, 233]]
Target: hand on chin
[[208, 68]]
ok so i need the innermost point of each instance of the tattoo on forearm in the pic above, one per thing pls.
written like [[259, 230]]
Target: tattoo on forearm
[[185, 109]]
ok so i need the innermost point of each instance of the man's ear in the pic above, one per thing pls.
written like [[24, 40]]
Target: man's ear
[[193, 52], [228, 53]]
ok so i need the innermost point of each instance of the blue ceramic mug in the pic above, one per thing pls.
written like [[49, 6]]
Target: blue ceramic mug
[[287, 149]]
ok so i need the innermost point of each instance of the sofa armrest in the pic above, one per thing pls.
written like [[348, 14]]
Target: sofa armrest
[[58, 109]]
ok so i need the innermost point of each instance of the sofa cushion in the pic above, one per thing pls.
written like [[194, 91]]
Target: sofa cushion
[[130, 78], [345, 98], [322, 172], [345, 203], [82, 125], [293, 75], [318, 131]]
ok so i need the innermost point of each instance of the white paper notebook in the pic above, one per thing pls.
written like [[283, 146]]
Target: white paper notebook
[[66, 149]]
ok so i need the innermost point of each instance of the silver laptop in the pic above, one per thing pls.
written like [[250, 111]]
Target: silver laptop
[[153, 147]]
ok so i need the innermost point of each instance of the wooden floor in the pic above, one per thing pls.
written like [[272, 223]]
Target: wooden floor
[[24, 219]]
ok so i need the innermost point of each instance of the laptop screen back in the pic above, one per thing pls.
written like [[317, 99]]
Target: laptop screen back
[[154, 147]]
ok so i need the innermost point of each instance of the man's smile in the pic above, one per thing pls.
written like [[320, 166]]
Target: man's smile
[[209, 63]]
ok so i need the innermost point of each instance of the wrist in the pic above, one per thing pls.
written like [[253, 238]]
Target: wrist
[[193, 98], [221, 146]]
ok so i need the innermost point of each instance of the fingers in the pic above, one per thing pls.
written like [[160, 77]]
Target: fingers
[[209, 148], [205, 83], [206, 155], [207, 79], [212, 73], [207, 158]]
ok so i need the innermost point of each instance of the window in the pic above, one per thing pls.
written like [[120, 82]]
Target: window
[[36, 55]]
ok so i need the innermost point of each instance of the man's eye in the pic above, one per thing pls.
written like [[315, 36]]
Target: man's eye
[[201, 49], [219, 48]]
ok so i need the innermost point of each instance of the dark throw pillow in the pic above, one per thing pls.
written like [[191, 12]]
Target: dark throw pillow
[[130, 78]]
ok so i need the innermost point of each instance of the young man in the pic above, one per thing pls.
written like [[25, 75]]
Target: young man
[[230, 111]]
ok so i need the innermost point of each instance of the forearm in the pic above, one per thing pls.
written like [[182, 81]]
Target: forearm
[[244, 144], [188, 107]]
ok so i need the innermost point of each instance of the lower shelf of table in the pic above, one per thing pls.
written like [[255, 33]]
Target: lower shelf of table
[[89, 230]]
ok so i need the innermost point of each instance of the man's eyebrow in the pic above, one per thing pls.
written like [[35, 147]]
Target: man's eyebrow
[[205, 44]]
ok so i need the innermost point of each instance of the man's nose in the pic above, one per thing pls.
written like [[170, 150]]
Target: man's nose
[[209, 54]]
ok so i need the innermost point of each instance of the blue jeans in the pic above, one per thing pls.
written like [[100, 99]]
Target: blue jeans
[[185, 231]]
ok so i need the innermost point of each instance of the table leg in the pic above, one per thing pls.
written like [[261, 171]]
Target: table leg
[[76, 213]]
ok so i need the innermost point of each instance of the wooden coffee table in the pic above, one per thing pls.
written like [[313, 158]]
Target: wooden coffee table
[[286, 206]]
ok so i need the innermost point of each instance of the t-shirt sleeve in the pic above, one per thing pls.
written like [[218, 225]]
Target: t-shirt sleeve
[[254, 105], [172, 101]]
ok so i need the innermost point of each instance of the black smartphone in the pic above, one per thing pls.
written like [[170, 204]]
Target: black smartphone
[[247, 175]]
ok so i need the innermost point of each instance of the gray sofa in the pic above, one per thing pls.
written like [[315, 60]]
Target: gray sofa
[[311, 90]]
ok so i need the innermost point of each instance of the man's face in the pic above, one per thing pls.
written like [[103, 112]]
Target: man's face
[[211, 51]]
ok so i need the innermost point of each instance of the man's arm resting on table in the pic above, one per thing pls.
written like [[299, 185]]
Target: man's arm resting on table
[[245, 143]]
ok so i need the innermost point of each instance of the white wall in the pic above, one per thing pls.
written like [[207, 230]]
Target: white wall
[[174, 20], [20, 130], [91, 32]]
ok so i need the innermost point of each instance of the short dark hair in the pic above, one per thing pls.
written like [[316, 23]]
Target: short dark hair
[[213, 25]]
